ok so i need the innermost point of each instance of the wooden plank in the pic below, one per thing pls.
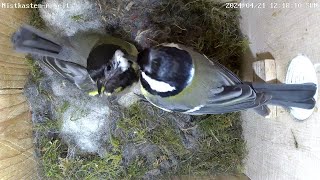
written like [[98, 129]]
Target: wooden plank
[[12, 59], [12, 65], [18, 84], [265, 71], [282, 148], [7, 77], [6, 49], [13, 111], [16, 147], [11, 91], [14, 71], [11, 99]]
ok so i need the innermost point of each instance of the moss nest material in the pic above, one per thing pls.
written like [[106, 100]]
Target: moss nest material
[[147, 144], [83, 137]]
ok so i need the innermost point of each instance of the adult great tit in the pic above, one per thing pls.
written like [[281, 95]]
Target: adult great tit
[[176, 78], [93, 62]]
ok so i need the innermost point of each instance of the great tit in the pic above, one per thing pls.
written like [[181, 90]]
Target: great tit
[[93, 62], [176, 78]]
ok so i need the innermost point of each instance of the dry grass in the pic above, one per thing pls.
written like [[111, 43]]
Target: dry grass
[[207, 26]]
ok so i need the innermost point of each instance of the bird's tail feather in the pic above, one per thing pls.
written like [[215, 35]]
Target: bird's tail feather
[[289, 95], [30, 40]]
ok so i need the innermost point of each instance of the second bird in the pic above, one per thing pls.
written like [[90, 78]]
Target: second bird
[[91, 61]]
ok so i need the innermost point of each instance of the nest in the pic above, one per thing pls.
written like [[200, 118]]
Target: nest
[[93, 137]]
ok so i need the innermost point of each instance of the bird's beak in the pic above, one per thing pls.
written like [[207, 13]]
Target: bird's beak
[[102, 84], [100, 87]]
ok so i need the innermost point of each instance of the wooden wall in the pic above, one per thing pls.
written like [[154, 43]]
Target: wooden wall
[[282, 147], [16, 148]]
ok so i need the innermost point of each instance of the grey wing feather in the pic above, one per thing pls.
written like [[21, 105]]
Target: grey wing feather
[[230, 95], [30, 40], [223, 71], [71, 71], [231, 99]]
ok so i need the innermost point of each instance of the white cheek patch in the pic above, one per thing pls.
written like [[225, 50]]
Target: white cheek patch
[[158, 86], [123, 62]]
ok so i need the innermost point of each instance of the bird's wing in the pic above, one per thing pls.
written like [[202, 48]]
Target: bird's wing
[[230, 99], [223, 70], [71, 71], [30, 40], [215, 67]]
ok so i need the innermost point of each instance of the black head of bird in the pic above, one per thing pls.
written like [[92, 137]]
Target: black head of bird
[[177, 78], [111, 68], [165, 71]]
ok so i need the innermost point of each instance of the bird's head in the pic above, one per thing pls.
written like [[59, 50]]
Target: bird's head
[[165, 69], [114, 73]]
